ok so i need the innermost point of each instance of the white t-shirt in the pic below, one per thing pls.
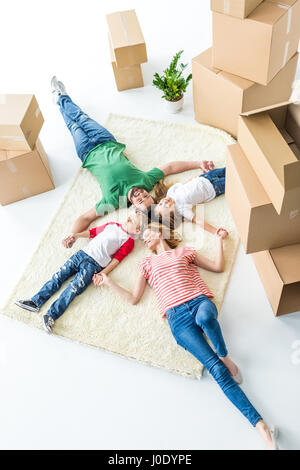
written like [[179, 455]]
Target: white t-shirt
[[109, 241], [187, 195]]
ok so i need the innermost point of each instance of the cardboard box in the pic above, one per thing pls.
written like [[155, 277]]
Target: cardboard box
[[24, 174], [293, 122], [237, 8], [126, 38], [257, 47], [280, 274], [258, 224], [273, 161], [219, 97], [126, 77], [20, 122]]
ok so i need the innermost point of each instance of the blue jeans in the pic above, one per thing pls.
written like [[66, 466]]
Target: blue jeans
[[86, 132], [188, 322], [80, 264], [217, 179]]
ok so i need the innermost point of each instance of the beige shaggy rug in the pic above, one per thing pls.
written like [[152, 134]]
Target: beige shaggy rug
[[99, 317]]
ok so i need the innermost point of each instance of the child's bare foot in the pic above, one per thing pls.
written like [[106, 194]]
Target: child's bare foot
[[268, 435], [231, 366]]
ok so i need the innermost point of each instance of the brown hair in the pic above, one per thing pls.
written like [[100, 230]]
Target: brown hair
[[171, 237], [160, 191]]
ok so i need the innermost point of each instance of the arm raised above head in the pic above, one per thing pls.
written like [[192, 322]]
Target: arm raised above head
[[173, 168]]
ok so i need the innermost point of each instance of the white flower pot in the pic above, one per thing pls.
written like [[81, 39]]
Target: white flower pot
[[174, 106]]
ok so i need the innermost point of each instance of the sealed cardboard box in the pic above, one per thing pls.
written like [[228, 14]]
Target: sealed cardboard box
[[126, 38], [126, 77], [237, 8], [24, 174], [219, 97], [259, 226], [20, 122], [275, 164], [280, 274], [257, 47]]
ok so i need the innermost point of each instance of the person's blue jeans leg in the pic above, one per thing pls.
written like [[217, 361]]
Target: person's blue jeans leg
[[190, 337], [76, 287], [80, 264], [86, 132], [206, 317], [217, 179], [55, 283]]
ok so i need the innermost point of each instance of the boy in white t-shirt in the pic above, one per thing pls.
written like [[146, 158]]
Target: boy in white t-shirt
[[110, 244], [182, 197]]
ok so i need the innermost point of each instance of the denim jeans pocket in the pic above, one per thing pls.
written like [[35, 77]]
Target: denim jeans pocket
[[170, 314]]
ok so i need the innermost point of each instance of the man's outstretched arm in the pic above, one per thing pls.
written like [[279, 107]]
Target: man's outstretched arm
[[172, 168], [84, 220]]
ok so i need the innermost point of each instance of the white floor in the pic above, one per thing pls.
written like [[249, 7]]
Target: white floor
[[59, 395]]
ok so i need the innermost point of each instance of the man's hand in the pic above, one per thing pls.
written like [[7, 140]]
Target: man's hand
[[69, 241], [222, 233], [100, 279], [207, 165]]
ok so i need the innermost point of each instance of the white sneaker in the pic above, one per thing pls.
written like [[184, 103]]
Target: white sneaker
[[274, 431], [58, 89]]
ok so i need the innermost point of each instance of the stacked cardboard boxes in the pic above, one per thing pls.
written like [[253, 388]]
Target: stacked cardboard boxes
[[24, 167], [252, 63], [242, 85], [263, 193], [127, 49]]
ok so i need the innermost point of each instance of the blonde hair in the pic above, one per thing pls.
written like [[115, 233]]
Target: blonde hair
[[171, 237]]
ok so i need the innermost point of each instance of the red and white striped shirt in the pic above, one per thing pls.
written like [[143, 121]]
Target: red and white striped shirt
[[173, 277]]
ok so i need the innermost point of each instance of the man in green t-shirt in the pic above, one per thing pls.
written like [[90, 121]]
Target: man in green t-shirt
[[120, 181]]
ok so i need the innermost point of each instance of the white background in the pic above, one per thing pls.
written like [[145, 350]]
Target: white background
[[57, 394]]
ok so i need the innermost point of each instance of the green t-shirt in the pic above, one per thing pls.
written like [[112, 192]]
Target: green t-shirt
[[116, 175]]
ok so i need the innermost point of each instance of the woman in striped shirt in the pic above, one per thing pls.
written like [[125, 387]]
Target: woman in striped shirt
[[185, 300]]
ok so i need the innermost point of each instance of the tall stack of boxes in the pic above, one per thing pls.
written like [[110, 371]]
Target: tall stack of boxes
[[127, 49], [24, 167], [242, 85]]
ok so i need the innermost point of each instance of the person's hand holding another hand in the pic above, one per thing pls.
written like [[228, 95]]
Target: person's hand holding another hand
[[69, 241], [207, 165], [100, 279], [222, 233]]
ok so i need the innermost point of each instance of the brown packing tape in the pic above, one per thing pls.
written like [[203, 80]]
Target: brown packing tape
[[130, 53], [125, 29], [130, 81], [226, 7]]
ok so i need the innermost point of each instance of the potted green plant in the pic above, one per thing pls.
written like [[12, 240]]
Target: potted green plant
[[173, 84]]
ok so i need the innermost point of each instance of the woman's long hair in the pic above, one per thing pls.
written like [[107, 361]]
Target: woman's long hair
[[171, 237]]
